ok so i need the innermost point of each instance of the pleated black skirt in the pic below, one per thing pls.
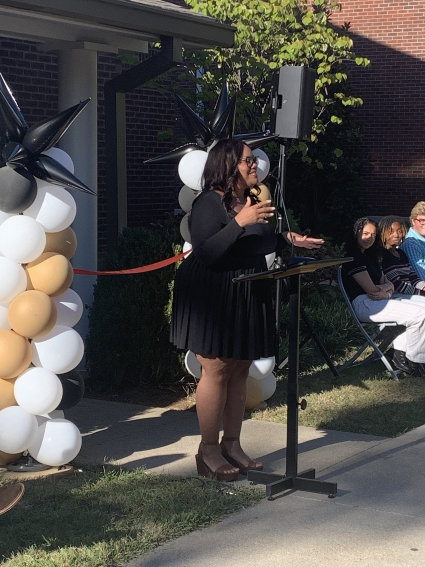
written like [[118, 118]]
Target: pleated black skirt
[[214, 316]]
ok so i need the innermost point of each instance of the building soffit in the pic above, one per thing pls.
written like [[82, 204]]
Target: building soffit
[[110, 24]]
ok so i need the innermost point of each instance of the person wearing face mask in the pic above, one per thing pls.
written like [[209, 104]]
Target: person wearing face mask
[[227, 325], [395, 263], [370, 293]]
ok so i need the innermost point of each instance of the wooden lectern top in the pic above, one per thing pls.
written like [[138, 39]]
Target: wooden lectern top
[[306, 265]]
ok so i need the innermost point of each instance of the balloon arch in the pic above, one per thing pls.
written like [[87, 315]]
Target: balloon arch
[[39, 349]]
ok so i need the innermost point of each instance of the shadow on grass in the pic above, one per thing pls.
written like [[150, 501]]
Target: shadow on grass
[[323, 380], [112, 512], [387, 419], [363, 400]]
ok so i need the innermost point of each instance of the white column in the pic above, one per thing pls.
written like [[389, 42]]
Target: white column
[[78, 81]]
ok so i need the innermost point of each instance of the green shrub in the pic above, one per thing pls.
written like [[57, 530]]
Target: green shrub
[[128, 342]]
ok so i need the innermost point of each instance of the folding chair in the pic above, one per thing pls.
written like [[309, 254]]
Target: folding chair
[[385, 331]]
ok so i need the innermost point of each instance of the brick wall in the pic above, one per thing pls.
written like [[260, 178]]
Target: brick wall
[[152, 190], [390, 34], [32, 76]]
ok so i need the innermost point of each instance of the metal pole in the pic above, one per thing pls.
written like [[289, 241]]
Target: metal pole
[[279, 200]]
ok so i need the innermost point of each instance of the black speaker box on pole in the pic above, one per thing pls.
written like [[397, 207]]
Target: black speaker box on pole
[[292, 102]]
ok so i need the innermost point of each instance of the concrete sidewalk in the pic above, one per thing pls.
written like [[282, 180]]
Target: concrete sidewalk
[[378, 515]]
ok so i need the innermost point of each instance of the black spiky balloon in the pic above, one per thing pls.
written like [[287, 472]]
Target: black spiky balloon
[[221, 126], [22, 157]]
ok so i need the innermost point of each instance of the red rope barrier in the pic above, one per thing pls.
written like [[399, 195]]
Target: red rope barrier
[[148, 268]]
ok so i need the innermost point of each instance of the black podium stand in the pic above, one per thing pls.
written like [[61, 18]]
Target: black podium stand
[[292, 479]]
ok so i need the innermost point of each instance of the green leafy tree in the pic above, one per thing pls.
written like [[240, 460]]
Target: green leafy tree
[[271, 34], [326, 171]]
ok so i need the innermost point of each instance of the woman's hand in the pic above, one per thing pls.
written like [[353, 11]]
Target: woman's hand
[[381, 294], [304, 241], [251, 214], [387, 286]]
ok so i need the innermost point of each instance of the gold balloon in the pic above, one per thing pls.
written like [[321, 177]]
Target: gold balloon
[[264, 192], [51, 273], [254, 393], [15, 354], [32, 314], [63, 242], [7, 396], [6, 458]]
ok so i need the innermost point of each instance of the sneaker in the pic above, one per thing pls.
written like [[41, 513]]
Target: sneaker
[[416, 369], [401, 362]]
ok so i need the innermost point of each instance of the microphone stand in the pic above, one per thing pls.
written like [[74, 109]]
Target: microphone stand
[[281, 213], [279, 195]]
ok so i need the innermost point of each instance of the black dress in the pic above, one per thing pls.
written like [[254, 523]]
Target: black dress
[[212, 315]]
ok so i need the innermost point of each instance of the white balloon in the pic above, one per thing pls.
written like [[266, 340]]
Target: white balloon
[[268, 387], [4, 216], [262, 367], [18, 429], [187, 246], [13, 280], [54, 207], [55, 414], [57, 441], [186, 198], [191, 168], [62, 157], [270, 258], [38, 391], [184, 228], [22, 239], [193, 366], [70, 308], [60, 351], [4, 321], [263, 165]]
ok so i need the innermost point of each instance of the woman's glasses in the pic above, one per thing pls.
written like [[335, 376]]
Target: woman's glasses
[[250, 160]]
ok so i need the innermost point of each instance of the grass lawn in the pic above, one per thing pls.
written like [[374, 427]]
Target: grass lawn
[[104, 517], [364, 400]]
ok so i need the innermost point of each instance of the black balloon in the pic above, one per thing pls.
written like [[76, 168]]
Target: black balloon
[[48, 169], [18, 189], [175, 155], [202, 136], [220, 105], [225, 125], [73, 389], [196, 129], [21, 149], [255, 141], [12, 123], [48, 132]]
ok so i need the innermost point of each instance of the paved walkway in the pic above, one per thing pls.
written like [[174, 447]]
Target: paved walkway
[[378, 516]]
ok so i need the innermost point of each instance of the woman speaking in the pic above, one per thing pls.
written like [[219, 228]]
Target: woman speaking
[[227, 325]]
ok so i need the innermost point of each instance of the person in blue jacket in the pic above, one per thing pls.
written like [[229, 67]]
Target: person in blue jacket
[[414, 243]]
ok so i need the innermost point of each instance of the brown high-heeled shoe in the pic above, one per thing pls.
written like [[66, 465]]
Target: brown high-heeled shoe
[[221, 473], [243, 469]]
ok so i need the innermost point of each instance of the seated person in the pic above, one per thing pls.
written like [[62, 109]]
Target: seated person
[[370, 293], [414, 243], [395, 263]]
